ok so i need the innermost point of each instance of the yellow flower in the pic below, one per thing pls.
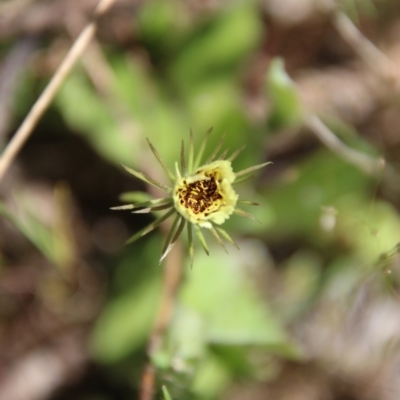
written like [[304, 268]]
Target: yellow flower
[[208, 195], [201, 196]]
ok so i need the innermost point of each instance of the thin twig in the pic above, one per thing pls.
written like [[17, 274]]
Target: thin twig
[[43, 102], [172, 279], [376, 60], [93, 60], [367, 164], [382, 66]]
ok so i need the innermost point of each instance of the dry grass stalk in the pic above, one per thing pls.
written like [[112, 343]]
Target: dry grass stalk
[[45, 99]]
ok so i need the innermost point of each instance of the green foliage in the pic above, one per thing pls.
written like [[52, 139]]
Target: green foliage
[[240, 317], [219, 320], [86, 113], [287, 109], [48, 238], [156, 21], [228, 39], [166, 394], [190, 75], [126, 322], [127, 319], [319, 180]]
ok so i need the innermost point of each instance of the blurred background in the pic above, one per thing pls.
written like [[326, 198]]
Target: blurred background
[[308, 308]]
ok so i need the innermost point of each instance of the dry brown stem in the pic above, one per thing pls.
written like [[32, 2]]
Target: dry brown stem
[[376, 60], [365, 163], [43, 102], [383, 67], [172, 279]]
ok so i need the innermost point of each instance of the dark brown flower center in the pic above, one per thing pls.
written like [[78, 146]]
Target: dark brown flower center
[[199, 195]]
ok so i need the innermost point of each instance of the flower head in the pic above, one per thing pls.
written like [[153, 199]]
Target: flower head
[[208, 195], [201, 196]]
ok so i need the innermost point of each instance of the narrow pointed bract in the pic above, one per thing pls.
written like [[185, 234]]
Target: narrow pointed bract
[[219, 240], [202, 148], [248, 173], [150, 227], [160, 160], [191, 153], [202, 196], [223, 155], [145, 204], [168, 240], [248, 203], [251, 169], [203, 242], [183, 160], [151, 209], [236, 153], [147, 179], [227, 237], [217, 149], [245, 214]]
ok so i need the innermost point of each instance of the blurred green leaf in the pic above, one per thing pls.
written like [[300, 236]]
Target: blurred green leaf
[[155, 19], [211, 378], [126, 321], [264, 213], [85, 111], [187, 334], [231, 36], [369, 229], [43, 237], [165, 393], [155, 115], [298, 197], [300, 281], [232, 311], [287, 109], [163, 24], [217, 103]]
